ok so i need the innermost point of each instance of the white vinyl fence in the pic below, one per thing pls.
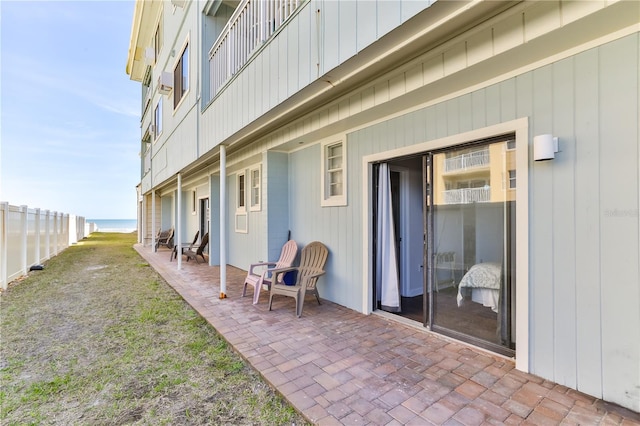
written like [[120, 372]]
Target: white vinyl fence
[[31, 236]]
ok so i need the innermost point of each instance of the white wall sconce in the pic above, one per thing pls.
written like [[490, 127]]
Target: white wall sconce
[[544, 147]]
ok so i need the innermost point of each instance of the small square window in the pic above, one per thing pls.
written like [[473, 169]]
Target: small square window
[[511, 145], [334, 174]]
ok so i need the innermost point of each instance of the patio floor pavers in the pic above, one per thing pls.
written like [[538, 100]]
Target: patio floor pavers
[[340, 367]]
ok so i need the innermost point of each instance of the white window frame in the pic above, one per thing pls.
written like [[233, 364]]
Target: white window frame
[[241, 221], [158, 40], [194, 203], [329, 200], [180, 62], [255, 206], [157, 119], [241, 198]]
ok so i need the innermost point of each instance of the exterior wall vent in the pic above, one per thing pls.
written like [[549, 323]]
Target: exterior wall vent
[[165, 83]]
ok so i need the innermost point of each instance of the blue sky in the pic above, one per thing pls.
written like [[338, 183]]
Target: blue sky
[[70, 115]]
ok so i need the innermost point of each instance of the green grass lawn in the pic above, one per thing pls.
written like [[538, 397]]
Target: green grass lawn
[[98, 337]]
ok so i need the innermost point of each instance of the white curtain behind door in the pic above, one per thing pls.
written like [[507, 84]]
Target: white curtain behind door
[[387, 282]]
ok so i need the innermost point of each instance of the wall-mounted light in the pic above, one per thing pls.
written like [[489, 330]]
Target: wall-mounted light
[[544, 147]]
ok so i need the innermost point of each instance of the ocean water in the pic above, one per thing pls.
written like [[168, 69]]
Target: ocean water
[[115, 225]]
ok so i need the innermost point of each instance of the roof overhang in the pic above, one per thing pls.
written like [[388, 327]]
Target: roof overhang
[[145, 17]]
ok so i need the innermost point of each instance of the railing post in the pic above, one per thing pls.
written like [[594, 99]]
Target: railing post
[[4, 213], [37, 236], [55, 233], [47, 236], [66, 221], [24, 210]]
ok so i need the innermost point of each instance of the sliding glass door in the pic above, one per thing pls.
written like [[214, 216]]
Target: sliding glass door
[[470, 222], [444, 241]]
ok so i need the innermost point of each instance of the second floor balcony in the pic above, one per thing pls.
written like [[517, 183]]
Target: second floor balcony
[[252, 23]]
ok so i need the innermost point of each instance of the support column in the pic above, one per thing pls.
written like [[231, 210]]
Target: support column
[[153, 219], [223, 222], [178, 235]]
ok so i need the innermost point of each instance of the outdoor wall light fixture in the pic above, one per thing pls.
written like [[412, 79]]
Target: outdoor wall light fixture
[[544, 147]]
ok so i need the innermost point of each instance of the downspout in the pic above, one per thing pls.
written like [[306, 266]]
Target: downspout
[[179, 221], [223, 221]]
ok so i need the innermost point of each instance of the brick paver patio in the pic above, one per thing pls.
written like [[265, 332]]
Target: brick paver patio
[[340, 367]]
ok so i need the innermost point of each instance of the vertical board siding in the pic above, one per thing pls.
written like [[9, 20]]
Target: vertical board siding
[[306, 63], [243, 248], [214, 220], [315, 40], [330, 18], [275, 200], [388, 16], [366, 19], [587, 238], [620, 291], [584, 232], [541, 238], [563, 219], [283, 67], [293, 58], [348, 32]]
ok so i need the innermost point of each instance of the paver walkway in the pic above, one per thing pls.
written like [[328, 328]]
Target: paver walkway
[[337, 366]]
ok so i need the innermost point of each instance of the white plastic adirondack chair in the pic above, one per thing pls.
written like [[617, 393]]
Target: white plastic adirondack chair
[[258, 279]]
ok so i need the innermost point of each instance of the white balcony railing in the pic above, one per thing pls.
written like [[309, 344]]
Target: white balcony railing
[[467, 195], [467, 161], [253, 22]]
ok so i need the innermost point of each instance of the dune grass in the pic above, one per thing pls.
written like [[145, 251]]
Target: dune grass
[[98, 337]]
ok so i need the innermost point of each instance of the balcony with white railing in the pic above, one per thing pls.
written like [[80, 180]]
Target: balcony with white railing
[[467, 161], [252, 23], [467, 195]]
